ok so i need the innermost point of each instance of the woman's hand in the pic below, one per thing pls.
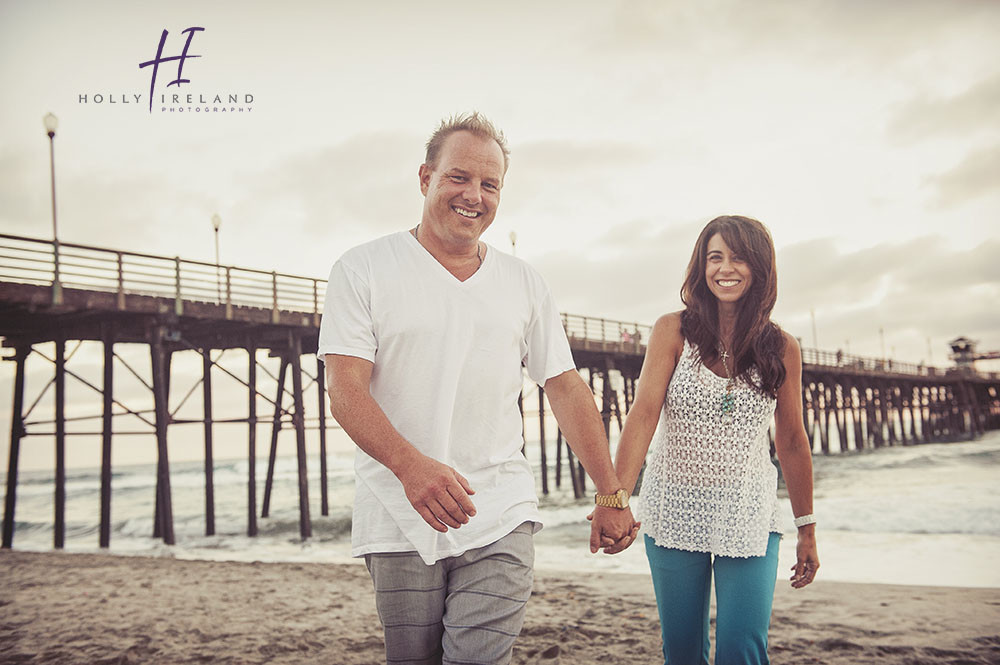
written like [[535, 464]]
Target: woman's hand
[[610, 545], [807, 560]]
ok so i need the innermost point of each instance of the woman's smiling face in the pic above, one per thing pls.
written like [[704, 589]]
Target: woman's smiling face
[[727, 274]]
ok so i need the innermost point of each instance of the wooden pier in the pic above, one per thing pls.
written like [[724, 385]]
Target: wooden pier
[[171, 305], [854, 403]]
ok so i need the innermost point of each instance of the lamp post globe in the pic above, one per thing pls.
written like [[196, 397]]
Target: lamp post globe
[[51, 124]]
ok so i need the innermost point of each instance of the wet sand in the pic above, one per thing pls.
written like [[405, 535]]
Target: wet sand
[[95, 609]]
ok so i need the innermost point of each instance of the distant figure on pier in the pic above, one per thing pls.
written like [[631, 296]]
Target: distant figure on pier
[[423, 334], [713, 376]]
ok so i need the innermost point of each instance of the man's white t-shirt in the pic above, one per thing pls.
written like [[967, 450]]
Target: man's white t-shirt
[[447, 373]]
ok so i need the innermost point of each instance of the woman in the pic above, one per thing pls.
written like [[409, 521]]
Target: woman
[[713, 376]]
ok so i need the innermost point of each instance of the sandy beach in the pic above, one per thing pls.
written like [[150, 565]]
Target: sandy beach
[[93, 608]]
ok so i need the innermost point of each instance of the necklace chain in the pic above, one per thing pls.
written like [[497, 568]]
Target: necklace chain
[[728, 398]]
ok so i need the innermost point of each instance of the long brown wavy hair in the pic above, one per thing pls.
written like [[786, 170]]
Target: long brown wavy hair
[[758, 343]]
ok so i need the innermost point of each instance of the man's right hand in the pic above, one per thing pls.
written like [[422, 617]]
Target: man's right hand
[[435, 490], [438, 492]]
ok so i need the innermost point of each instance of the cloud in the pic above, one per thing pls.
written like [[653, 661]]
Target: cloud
[[870, 34], [632, 273], [368, 181], [964, 114], [97, 205], [914, 290], [552, 174], [818, 273], [560, 156], [976, 175], [25, 193]]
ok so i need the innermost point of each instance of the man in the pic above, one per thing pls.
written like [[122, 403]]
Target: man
[[423, 335]]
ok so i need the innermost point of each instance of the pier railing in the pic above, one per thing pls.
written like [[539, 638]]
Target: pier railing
[[598, 334], [39, 262], [867, 365]]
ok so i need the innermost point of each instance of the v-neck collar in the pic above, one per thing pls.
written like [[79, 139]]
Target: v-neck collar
[[444, 272]]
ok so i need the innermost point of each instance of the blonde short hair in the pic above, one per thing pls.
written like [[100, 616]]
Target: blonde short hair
[[474, 122]]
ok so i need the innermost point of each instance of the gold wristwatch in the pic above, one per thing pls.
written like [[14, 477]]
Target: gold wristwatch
[[617, 500]]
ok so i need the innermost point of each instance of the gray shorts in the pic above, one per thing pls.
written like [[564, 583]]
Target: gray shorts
[[462, 610]]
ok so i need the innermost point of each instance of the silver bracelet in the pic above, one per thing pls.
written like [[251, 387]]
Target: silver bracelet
[[805, 519]]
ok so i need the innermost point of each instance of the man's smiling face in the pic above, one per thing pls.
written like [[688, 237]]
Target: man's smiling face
[[462, 191]]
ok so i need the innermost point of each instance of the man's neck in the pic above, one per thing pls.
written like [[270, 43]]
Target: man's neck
[[461, 261]]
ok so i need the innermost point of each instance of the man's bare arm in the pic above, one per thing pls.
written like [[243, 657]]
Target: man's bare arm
[[435, 490], [573, 405]]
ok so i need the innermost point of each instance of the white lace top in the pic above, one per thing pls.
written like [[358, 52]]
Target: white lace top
[[710, 485]]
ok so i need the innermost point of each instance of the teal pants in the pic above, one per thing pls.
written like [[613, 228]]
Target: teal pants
[[744, 589]]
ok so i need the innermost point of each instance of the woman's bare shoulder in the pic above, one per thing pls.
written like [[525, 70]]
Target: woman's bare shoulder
[[791, 343], [790, 339], [671, 321], [792, 355], [667, 330]]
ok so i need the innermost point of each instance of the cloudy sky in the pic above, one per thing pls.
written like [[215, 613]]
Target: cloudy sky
[[864, 134]]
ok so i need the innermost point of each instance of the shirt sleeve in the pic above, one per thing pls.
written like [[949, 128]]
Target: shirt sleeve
[[347, 328], [548, 353]]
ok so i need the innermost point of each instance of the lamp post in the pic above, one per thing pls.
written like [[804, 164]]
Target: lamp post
[[216, 223], [51, 124], [812, 315], [513, 243]]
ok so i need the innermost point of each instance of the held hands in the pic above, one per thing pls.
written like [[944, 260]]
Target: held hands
[[807, 560], [613, 529], [438, 492]]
